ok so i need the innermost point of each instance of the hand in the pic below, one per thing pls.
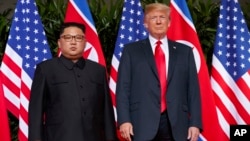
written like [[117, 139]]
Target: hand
[[126, 130], [193, 133]]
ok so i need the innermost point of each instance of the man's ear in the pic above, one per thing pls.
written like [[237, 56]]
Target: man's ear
[[145, 25], [58, 44]]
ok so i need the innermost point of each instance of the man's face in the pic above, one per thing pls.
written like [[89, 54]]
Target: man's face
[[72, 43], [157, 23]]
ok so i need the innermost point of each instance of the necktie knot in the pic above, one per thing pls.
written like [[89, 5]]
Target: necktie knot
[[158, 51], [158, 43]]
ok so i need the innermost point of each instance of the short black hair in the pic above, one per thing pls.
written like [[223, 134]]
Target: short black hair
[[71, 24]]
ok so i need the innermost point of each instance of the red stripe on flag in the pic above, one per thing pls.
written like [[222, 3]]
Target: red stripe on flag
[[10, 85], [4, 122], [113, 76], [244, 87], [11, 107], [21, 136], [25, 90], [12, 65], [113, 73], [113, 98], [24, 114]]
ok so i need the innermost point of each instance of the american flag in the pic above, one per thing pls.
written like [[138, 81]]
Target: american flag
[[78, 11], [182, 30], [131, 29], [231, 67], [26, 46]]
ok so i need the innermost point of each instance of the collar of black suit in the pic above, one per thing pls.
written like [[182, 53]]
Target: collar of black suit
[[70, 64]]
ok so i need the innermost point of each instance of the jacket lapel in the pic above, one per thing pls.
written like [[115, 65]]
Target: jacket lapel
[[172, 59], [149, 56]]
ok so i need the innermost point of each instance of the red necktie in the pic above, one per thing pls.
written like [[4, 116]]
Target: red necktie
[[161, 67]]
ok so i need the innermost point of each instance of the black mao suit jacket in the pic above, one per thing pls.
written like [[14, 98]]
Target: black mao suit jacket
[[138, 90], [70, 102]]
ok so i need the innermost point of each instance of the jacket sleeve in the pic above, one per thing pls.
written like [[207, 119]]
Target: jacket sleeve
[[35, 114]]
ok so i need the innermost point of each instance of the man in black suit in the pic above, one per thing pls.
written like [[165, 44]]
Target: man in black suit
[[143, 89], [70, 98]]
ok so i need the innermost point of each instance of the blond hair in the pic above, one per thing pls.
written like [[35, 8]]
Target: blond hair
[[157, 6]]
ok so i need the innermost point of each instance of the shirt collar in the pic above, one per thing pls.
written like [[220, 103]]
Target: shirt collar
[[152, 41], [69, 64]]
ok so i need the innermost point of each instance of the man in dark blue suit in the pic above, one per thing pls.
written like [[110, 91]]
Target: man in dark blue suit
[[70, 99], [142, 89]]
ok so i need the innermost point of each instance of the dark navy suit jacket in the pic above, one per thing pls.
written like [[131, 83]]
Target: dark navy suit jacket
[[138, 90]]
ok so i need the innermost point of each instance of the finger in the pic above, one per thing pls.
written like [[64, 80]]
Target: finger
[[189, 135], [131, 131], [194, 137], [129, 138], [125, 134]]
